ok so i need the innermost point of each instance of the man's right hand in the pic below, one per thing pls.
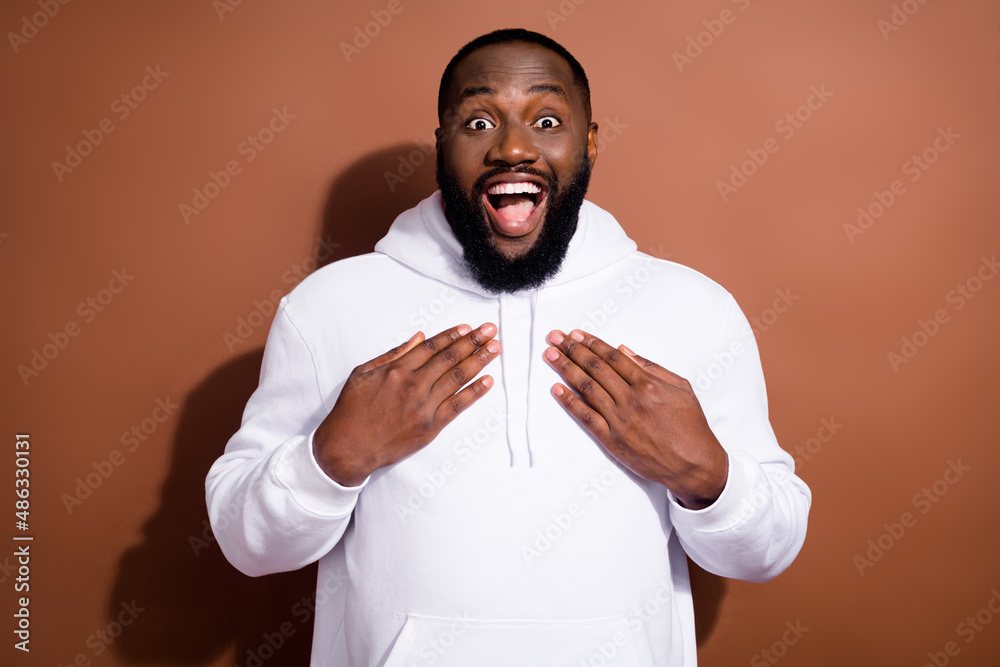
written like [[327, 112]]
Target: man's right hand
[[398, 402]]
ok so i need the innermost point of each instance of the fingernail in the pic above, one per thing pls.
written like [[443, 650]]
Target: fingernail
[[493, 346], [551, 354], [487, 329], [576, 335], [487, 381], [558, 390], [627, 350], [464, 329], [555, 338]]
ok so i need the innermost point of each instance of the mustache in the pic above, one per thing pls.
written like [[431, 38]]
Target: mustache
[[550, 181]]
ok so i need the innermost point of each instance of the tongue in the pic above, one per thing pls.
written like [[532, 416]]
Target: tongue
[[515, 208]]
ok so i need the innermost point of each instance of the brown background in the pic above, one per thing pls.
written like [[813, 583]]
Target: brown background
[[668, 137]]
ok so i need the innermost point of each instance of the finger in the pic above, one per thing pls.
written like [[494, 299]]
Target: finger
[[580, 347], [577, 371], [653, 368], [459, 349], [392, 354], [456, 404], [620, 363], [418, 355], [457, 376], [589, 418]]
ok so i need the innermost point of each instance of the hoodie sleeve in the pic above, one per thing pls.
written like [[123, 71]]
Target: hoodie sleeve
[[271, 507], [756, 527]]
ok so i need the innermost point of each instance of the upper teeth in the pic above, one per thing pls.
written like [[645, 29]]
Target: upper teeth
[[513, 188]]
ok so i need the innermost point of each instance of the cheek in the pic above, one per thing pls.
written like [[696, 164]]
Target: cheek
[[569, 147], [464, 164], [566, 159]]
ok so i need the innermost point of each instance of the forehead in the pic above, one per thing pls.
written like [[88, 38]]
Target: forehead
[[512, 67]]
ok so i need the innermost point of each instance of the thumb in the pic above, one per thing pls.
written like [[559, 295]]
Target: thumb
[[650, 366]]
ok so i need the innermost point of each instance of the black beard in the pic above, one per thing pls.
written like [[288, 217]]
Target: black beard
[[491, 268]]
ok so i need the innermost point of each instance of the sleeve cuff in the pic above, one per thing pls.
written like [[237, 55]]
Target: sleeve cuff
[[312, 488], [733, 506]]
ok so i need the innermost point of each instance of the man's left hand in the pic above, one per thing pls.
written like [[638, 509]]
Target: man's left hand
[[646, 417]]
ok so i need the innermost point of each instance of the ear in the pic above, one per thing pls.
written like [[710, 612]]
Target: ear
[[592, 143], [437, 139]]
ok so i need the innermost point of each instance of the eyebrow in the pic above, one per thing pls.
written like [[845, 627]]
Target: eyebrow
[[474, 91], [549, 88]]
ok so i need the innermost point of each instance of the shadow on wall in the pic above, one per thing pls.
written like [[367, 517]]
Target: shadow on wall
[[196, 604]]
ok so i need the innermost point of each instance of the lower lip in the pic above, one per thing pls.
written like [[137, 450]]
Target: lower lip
[[515, 228]]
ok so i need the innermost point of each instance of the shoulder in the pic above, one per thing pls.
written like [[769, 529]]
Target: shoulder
[[342, 278], [680, 280]]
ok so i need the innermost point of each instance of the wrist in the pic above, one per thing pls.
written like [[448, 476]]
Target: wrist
[[339, 464], [702, 485]]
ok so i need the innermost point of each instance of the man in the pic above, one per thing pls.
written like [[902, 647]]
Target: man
[[538, 514]]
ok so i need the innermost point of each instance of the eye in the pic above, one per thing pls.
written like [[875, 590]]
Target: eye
[[547, 122], [480, 124]]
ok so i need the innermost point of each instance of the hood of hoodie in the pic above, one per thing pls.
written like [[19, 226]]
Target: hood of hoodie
[[422, 239]]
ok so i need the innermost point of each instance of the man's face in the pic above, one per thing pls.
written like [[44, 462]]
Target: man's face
[[515, 150]]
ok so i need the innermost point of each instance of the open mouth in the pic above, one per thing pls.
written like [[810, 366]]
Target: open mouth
[[515, 207]]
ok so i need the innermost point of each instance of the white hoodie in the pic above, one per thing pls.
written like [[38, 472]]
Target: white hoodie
[[512, 539]]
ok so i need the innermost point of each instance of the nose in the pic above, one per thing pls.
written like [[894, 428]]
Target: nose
[[512, 146]]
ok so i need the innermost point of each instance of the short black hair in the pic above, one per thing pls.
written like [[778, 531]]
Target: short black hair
[[507, 36]]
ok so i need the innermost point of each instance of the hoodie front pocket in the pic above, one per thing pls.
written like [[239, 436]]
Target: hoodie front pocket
[[461, 642]]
